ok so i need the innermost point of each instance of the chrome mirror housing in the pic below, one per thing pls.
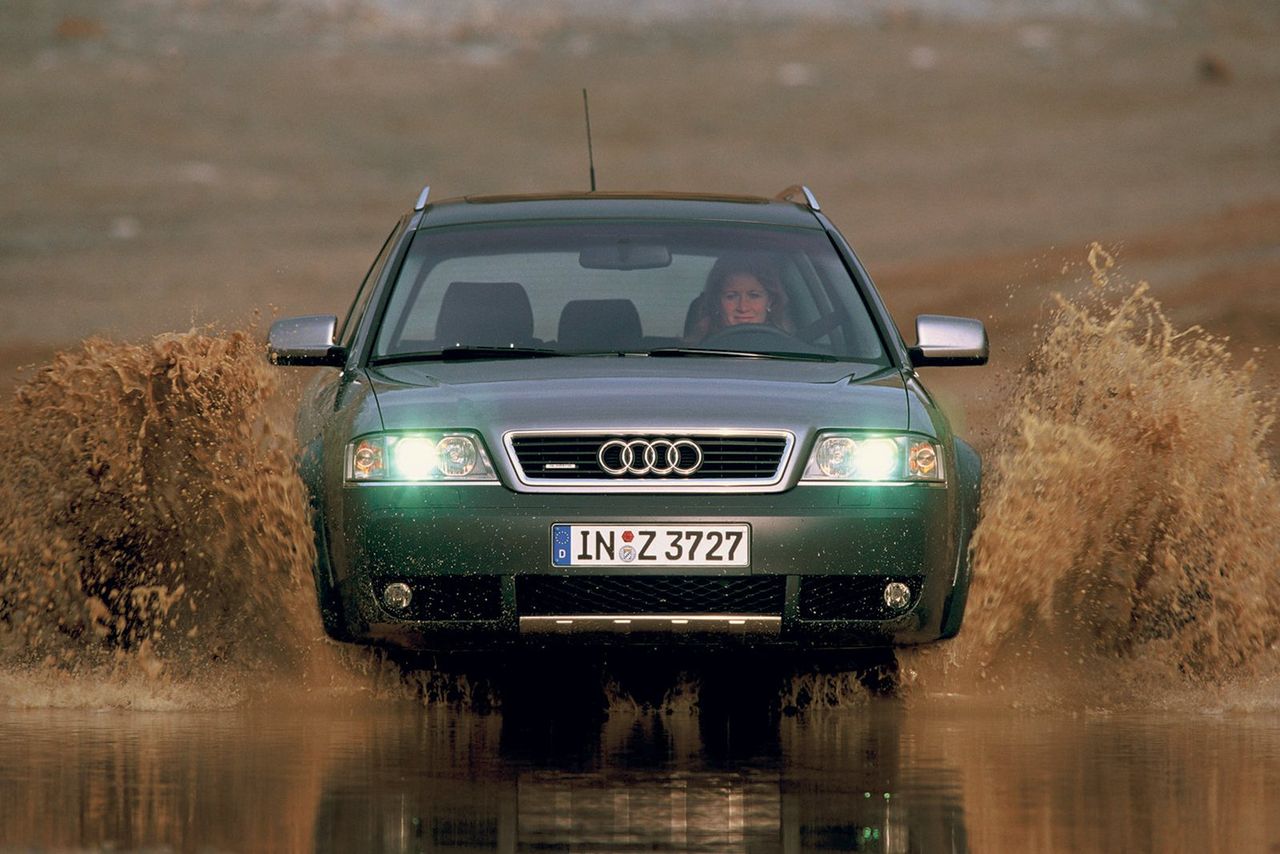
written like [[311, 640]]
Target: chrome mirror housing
[[305, 341], [949, 341]]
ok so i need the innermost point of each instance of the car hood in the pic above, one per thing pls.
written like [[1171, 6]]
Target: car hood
[[639, 393]]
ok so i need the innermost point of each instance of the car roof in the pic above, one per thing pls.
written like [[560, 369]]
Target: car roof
[[617, 205]]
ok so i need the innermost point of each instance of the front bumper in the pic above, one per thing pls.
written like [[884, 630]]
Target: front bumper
[[478, 559]]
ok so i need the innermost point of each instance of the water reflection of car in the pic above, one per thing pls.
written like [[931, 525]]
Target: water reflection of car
[[870, 781], [529, 435], [638, 810]]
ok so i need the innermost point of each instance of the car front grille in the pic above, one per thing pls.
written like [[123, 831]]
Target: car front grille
[[575, 458], [538, 595], [850, 597]]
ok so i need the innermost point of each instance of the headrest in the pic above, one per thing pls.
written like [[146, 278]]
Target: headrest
[[485, 313], [599, 324]]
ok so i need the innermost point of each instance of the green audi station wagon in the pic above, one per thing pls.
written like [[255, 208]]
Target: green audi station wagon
[[630, 418]]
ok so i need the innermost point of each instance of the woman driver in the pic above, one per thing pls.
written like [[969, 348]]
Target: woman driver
[[739, 290]]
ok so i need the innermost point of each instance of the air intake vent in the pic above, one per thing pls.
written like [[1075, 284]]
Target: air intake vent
[[850, 597], [538, 595]]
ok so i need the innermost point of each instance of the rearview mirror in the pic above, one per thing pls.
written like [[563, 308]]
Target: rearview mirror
[[625, 255], [949, 341], [305, 341]]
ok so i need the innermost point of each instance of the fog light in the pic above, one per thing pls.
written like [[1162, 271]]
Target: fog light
[[897, 595], [397, 596]]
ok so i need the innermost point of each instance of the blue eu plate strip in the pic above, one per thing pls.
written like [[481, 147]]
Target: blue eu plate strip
[[560, 552]]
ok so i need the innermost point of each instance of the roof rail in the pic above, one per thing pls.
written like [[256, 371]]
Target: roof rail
[[788, 195], [422, 198]]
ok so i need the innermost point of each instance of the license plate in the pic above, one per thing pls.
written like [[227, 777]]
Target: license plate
[[650, 545]]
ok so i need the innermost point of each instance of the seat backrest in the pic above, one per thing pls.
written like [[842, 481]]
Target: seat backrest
[[599, 324], [491, 314], [693, 316]]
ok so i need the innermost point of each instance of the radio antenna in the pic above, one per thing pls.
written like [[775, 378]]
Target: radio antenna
[[591, 158]]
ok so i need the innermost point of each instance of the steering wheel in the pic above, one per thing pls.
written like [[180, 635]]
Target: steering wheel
[[750, 336]]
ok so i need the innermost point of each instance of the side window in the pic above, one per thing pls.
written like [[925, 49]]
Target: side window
[[349, 325]]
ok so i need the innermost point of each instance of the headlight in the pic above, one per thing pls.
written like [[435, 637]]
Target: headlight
[[418, 457], [878, 459]]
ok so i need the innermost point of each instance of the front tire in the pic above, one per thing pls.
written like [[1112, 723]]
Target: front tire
[[332, 613], [970, 472], [953, 610]]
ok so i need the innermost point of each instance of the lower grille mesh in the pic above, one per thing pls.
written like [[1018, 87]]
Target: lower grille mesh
[[544, 596]]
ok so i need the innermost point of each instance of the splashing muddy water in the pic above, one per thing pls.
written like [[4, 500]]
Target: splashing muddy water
[[154, 532], [151, 522], [1130, 531]]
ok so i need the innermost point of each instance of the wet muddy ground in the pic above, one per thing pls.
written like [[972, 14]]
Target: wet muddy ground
[[163, 681], [942, 776]]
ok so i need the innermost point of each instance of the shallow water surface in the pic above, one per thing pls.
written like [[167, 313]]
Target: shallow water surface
[[887, 776]]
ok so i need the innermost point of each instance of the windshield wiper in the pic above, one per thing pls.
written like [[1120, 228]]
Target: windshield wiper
[[743, 354], [464, 352]]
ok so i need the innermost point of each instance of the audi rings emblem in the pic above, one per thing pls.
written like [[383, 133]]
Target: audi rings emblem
[[649, 456]]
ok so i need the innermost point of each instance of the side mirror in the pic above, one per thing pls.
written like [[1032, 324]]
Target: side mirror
[[944, 341], [305, 342]]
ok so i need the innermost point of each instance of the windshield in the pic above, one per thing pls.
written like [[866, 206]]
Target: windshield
[[657, 288]]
